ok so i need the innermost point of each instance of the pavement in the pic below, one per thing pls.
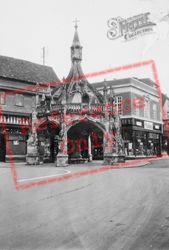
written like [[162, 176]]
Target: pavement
[[124, 208], [49, 170], [136, 162]]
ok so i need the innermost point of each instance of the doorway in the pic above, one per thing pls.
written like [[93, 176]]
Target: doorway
[[48, 143], [85, 142], [2, 148]]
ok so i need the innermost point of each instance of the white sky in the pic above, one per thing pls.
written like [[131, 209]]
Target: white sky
[[28, 25]]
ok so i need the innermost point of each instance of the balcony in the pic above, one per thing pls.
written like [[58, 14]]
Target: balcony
[[74, 108]]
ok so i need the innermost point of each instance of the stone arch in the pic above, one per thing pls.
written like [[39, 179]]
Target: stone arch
[[85, 98], [85, 140], [77, 97], [89, 119]]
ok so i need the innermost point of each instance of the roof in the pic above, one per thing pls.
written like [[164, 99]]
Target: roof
[[111, 82], [164, 98], [76, 78], [147, 81], [17, 69], [108, 83], [76, 41]]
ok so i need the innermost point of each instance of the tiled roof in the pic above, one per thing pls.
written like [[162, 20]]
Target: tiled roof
[[76, 41], [22, 70]]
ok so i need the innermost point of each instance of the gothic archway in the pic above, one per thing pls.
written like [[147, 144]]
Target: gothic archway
[[85, 98], [85, 141]]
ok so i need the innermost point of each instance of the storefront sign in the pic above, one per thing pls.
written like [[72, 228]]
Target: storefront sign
[[157, 127], [148, 125], [16, 143], [138, 123]]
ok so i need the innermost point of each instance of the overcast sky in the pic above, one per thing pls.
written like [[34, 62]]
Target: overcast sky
[[28, 25]]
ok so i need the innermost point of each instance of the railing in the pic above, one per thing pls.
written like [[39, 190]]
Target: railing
[[74, 108], [78, 107]]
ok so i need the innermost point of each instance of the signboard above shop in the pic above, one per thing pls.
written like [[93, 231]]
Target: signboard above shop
[[139, 123], [148, 125]]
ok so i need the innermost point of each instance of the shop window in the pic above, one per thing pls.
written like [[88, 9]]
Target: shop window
[[118, 104], [147, 108], [2, 98], [154, 114], [137, 111], [19, 100]]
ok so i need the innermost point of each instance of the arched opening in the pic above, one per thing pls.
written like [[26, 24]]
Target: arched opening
[[85, 142], [85, 99], [48, 141], [77, 98], [2, 148]]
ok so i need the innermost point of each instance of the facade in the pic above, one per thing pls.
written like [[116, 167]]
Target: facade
[[73, 121], [137, 103], [17, 102], [165, 141]]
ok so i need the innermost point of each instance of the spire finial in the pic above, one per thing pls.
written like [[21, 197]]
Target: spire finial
[[76, 21]]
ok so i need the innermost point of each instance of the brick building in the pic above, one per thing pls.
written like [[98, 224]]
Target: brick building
[[137, 103], [165, 141], [16, 106]]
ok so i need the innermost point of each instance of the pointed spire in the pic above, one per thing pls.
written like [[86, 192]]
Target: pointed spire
[[76, 48], [76, 41]]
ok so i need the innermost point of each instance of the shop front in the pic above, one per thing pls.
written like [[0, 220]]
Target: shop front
[[16, 147], [165, 139], [141, 138], [14, 132]]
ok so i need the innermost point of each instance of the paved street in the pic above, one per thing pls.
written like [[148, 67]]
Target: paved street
[[126, 208]]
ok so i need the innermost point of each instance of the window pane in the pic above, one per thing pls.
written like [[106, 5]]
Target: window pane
[[2, 98], [19, 100]]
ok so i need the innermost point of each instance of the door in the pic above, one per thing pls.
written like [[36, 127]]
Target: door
[[2, 148]]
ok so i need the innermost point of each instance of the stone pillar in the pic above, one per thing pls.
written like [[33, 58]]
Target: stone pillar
[[62, 156], [32, 157], [89, 149], [108, 148], [118, 154], [113, 145]]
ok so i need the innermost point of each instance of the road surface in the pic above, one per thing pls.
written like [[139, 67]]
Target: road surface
[[125, 208]]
